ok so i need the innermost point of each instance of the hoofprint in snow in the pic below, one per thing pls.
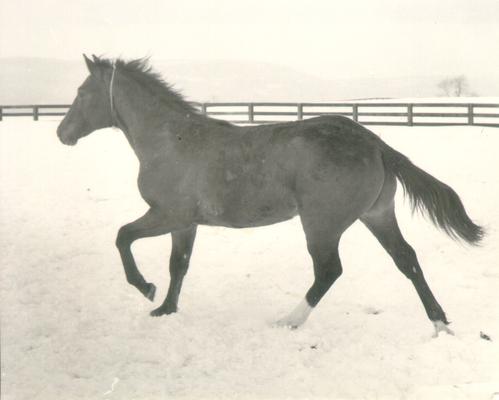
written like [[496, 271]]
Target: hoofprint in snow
[[73, 328]]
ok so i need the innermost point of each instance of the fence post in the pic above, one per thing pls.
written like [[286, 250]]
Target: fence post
[[203, 108], [470, 114], [355, 112], [1, 113], [251, 115], [299, 111], [35, 113], [410, 116]]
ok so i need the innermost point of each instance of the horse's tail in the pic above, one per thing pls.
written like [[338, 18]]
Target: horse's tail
[[433, 198]]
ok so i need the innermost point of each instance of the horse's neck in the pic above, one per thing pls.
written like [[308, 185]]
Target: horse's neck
[[144, 120]]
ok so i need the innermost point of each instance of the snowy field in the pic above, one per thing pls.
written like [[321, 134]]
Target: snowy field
[[72, 328]]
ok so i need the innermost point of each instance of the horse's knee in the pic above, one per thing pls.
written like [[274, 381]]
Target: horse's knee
[[122, 238], [179, 263]]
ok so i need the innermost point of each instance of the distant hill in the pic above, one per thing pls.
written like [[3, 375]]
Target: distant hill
[[38, 80]]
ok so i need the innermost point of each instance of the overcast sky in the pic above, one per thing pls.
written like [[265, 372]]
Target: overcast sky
[[329, 38]]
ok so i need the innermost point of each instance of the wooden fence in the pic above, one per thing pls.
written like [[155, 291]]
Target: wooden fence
[[366, 113]]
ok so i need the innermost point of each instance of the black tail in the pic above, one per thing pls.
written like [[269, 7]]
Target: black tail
[[432, 197]]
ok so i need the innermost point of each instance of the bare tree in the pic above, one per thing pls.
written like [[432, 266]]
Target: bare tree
[[445, 86], [455, 87]]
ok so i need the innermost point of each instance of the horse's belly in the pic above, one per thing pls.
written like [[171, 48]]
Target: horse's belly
[[249, 208]]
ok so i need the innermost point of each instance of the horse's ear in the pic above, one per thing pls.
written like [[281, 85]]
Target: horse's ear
[[95, 58], [90, 64]]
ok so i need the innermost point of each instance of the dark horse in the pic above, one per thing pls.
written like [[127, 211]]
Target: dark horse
[[196, 170]]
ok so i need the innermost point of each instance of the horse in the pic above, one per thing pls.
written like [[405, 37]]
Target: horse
[[196, 170]]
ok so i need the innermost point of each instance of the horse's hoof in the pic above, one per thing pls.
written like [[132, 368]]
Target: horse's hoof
[[297, 317], [158, 312], [151, 292], [441, 326], [284, 323]]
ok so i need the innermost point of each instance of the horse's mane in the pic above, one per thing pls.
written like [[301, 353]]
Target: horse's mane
[[141, 72]]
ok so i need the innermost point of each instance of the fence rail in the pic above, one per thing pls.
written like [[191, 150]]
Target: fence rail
[[366, 113]]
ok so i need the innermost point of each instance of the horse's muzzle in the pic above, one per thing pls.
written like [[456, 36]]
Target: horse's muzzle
[[64, 137]]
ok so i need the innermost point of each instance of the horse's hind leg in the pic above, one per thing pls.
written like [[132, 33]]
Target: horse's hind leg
[[182, 244], [323, 247], [382, 222]]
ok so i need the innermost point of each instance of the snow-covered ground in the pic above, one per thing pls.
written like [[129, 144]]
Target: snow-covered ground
[[72, 328]]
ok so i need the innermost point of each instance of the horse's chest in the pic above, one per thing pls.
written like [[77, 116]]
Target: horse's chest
[[166, 185]]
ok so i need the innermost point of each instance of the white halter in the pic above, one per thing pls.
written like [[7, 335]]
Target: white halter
[[111, 101]]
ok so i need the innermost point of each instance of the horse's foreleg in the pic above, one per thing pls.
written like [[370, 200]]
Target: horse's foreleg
[[182, 244], [152, 223]]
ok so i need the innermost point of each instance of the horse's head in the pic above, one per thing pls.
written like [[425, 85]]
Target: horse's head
[[91, 109]]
